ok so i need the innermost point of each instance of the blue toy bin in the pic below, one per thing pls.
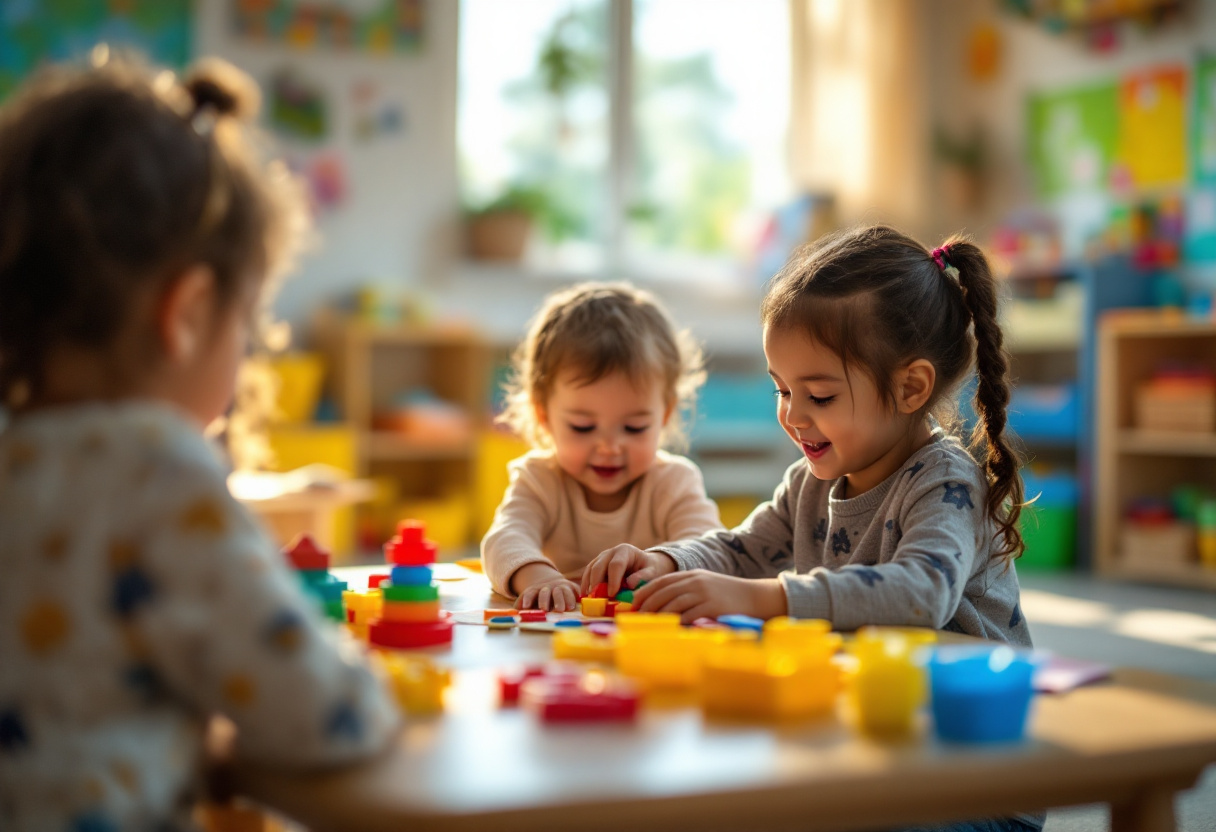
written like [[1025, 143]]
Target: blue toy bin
[[981, 694]]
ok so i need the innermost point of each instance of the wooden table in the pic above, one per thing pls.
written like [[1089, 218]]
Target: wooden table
[[1133, 742]]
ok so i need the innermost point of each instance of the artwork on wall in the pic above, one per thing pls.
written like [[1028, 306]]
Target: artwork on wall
[[33, 32], [1203, 125], [375, 26], [1074, 136], [375, 114], [1152, 128], [298, 108]]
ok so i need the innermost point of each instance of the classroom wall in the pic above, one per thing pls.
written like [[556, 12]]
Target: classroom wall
[[1032, 59], [397, 226]]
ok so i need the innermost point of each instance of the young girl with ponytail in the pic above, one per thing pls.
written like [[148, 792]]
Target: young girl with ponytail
[[887, 518]]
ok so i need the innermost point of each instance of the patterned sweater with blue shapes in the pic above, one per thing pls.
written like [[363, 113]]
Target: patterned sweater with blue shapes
[[137, 599], [916, 550]]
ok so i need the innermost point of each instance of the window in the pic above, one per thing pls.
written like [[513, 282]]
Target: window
[[648, 135]]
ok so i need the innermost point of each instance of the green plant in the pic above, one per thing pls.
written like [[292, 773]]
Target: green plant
[[548, 212]]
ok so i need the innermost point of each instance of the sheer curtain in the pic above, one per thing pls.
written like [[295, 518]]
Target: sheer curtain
[[859, 126]]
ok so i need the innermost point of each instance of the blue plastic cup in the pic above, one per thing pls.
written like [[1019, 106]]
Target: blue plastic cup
[[981, 694]]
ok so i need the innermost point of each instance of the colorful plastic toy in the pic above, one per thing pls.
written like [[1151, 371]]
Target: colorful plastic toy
[[361, 608], [807, 639], [312, 565], [510, 680], [625, 595], [666, 657], [409, 547], [600, 590], [488, 614], [887, 687], [374, 581], [411, 575], [568, 622], [981, 694], [594, 697], [741, 622], [747, 678], [594, 606], [418, 683], [410, 615], [502, 622], [583, 645], [533, 615], [647, 621]]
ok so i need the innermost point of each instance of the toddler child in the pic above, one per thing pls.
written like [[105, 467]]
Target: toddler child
[[887, 519], [137, 227], [599, 383]]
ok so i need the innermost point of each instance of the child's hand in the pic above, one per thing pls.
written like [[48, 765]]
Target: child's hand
[[625, 565], [701, 594], [558, 594]]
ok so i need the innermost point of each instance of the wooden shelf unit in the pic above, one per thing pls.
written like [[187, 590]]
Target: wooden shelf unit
[[1130, 463], [371, 364]]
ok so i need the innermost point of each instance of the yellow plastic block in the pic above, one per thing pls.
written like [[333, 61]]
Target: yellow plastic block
[[748, 679], [808, 639], [915, 636], [417, 682], [361, 608], [888, 685], [581, 645], [594, 607], [623, 606], [666, 657], [412, 611], [637, 621]]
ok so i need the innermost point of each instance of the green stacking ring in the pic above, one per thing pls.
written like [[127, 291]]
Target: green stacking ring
[[410, 593]]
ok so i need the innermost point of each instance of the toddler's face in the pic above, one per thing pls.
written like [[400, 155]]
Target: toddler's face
[[840, 423], [605, 434]]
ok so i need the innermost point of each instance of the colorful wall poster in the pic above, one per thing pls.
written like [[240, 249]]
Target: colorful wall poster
[[33, 32], [1074, 136], [1152, 128], [375, 26], [1203, 123]]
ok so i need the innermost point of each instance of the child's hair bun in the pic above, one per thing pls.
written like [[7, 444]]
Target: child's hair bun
[[222, 87]]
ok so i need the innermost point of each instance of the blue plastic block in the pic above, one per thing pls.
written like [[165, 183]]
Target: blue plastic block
[[411, 575], [741, 622], [568, 622], [981, 694], [330, 590]]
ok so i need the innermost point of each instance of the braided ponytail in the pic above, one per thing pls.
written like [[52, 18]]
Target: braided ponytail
[[988, 441]]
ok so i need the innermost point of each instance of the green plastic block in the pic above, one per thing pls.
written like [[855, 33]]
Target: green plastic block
[[625, 596]]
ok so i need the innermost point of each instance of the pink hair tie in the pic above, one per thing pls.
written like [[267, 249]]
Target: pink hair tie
[[939, 257]]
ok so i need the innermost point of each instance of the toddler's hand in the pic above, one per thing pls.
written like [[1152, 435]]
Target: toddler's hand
[[701, 594], [558, 594], [625, 565]]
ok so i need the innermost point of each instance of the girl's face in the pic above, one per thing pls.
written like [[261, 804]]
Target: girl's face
[[840, 423], [605, 434]]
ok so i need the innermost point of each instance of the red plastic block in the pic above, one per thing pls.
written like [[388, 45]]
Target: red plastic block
[[533, 615], [374, 581], [403, 635], [509, 681], [567, 699], [610, 609], [600, 591], [409, 547], [304, 553]]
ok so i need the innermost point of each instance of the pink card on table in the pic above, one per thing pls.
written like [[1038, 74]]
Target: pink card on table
[[1059, 674]]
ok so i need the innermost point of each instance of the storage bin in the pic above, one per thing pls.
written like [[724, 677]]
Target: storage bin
[[1176, 406], [1158, 544], [1049, 525], [1045, 412], [299, 375], [981, 694]]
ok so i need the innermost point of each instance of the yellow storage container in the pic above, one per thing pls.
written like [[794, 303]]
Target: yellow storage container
[[299, 375], [494, 450], [295, 446]]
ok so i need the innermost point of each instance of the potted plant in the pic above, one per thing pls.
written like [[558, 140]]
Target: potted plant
[[500, 229]]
